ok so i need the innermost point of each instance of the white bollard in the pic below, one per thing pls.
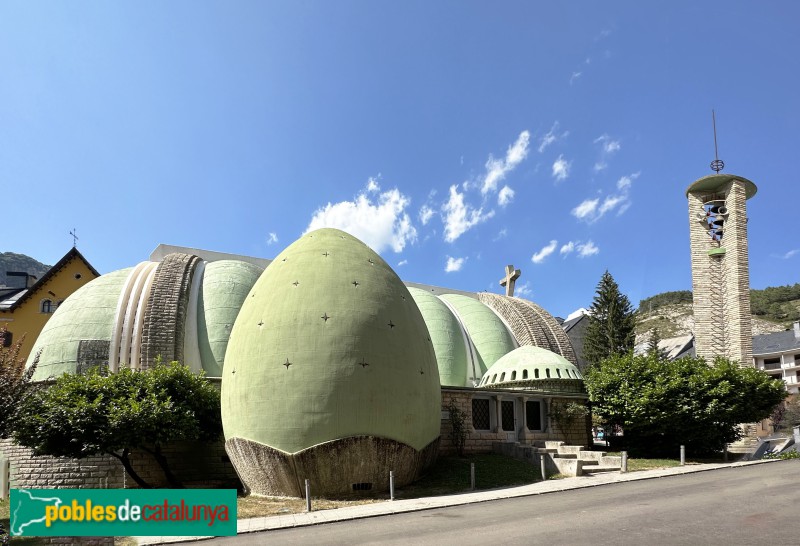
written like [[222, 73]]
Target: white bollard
[[308, 496], [391, 485], [683, 455], [541, 463], [5, 478], [624, 462]]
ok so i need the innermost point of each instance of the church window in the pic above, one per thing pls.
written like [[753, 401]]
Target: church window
[[547, 371], [502, 377], [536, 373], [494, 378], [46, 306], [480, 414], [513, 376], [524, 374], [533, 415], [507, 410], [558, 372]]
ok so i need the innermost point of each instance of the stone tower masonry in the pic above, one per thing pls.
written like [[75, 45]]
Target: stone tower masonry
[[720, 267]]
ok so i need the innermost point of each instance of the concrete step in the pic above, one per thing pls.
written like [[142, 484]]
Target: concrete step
[[593, 455], [570, 449], [594, 469], [549, 444]]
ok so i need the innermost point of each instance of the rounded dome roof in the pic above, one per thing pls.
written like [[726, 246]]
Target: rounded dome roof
[[529, 363], [85, 316], [226, 284], [329, 344], [447, 337], [487, 331]]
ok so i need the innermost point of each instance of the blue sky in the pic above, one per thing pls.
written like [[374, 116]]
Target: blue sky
[[453, 137]]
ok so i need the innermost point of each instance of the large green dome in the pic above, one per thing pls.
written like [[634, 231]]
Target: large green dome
[[81, 328], [450, 341], [489, 334], [329, 346], [225, 286]]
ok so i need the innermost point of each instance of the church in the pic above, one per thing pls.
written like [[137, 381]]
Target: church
[[331, 368]]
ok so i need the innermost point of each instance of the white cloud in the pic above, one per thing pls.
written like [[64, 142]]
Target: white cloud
[[625, 181], [496, 169], [505, 196], [500, 234], [401, 263], [561, 168], [587, 249], [551, 137], [272, 238], [574, 77], [425, 214], [599, 166], [454, 264], [610, 203], [372, 186], [460, 217], [608, 144], [567, 248], [586, 210], [790, 254], [591, 210], [380, 223], [523, 289], [544, 252]]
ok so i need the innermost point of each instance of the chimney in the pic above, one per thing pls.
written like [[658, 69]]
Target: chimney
[[797, 330]]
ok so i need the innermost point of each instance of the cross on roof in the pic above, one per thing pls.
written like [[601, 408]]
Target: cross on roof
[[511, 277]]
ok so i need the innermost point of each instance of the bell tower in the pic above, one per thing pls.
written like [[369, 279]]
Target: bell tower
[[720, 265]]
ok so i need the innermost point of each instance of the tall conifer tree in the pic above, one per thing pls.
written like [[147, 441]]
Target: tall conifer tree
[[611, 323]]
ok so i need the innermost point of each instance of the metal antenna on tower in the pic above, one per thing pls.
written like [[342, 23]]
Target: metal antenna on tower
[[716, 165]]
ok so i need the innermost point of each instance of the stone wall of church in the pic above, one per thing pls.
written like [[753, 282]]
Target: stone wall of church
[[481, 441], [195, 464]]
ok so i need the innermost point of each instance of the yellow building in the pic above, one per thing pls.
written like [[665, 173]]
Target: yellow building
[[25, 310]]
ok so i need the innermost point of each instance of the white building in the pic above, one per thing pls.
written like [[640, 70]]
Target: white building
[[778, 354]]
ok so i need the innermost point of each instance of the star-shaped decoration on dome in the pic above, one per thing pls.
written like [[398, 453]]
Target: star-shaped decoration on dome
[[287, 364], [296, 283], [363, 363], [391, 324], [326, 253], [355, 283], [325, 317]]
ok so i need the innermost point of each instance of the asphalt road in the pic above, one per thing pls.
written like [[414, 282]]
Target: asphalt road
[[747, 505]]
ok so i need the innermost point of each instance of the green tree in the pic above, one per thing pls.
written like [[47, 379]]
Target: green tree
[[15, 382], [652, 344], [661, 405], [786, 415], [612, 321], [83, 415]]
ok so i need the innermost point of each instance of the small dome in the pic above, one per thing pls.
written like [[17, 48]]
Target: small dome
[[528, 366]]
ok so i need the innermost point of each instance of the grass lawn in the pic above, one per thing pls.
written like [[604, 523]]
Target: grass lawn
[[652, 464]]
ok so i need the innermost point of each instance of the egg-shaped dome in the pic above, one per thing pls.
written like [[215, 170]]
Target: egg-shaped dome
[[529, 367], [78, 334], [449, 340], [488, 332], [224, 287], [329, 365]]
